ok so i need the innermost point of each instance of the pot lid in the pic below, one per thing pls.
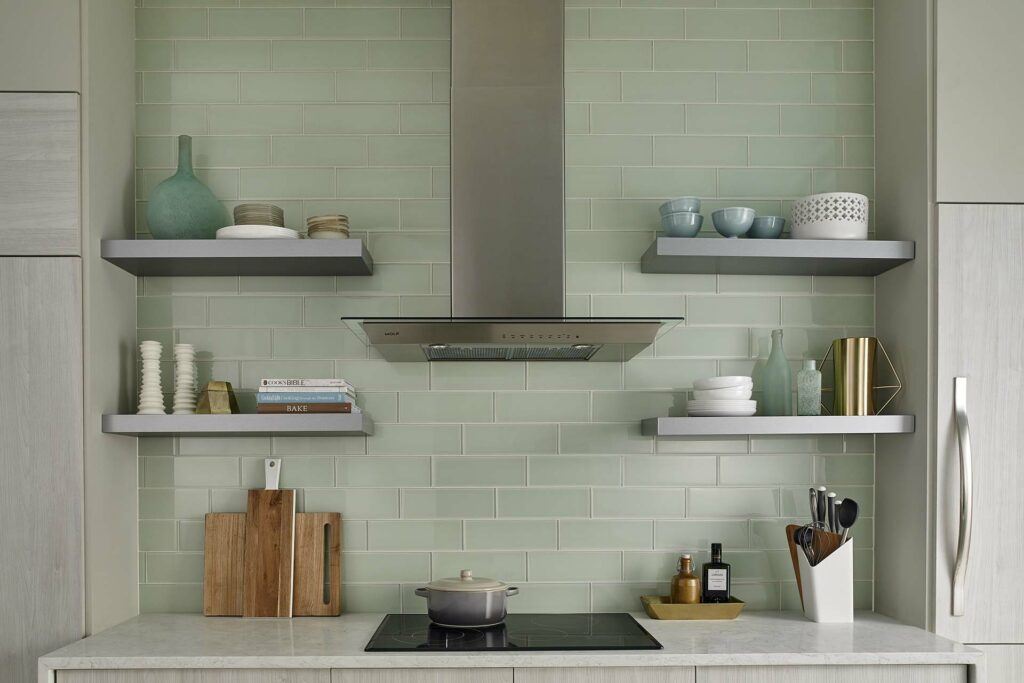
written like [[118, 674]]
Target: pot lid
[[465, 581]]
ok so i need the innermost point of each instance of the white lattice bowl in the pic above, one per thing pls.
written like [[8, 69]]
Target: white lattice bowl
[[830, 216]]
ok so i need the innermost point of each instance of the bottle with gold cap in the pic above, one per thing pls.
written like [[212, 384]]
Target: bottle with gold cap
[[685, 584]]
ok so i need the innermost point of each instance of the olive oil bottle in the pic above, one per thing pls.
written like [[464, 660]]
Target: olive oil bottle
[[717, 577], [685, 584]]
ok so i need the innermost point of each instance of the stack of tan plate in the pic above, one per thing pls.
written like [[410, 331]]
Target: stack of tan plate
[[259, 214], [334, 227]]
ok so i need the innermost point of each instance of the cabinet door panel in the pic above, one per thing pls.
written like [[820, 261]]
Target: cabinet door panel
[[40, 46], [41, 485], [1003, 663], [39, 174], [978, 56], [832, 674], [421, 676], [979, 336], [197, 676], [608, 675]]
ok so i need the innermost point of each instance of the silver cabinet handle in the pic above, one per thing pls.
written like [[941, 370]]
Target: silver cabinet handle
[[963, 544]]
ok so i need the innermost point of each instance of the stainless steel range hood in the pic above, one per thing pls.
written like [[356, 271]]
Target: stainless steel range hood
[[507, 180]]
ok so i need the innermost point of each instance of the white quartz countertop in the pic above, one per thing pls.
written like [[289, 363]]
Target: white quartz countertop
[[170, 641]]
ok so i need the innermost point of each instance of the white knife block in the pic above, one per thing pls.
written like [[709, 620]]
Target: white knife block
[[828, 586]]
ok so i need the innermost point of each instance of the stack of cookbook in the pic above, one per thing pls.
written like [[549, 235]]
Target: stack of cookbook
[[306, 396]]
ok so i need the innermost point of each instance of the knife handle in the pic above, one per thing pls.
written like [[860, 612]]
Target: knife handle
[[814, 504]]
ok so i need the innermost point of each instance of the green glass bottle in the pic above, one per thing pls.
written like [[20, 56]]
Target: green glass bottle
[[777, 392], [182, 207]]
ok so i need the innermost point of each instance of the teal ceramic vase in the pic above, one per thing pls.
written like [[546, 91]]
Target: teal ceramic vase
[[777, 392], [182, 207]]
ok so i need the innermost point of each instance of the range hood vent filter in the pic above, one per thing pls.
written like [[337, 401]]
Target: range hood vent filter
[[439, 352]]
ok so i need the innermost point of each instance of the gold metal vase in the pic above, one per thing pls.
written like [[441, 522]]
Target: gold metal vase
[[854, 369]]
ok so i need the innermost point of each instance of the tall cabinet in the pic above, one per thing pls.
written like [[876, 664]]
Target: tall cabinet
[[68, 554], [41, 405], [949, 176]]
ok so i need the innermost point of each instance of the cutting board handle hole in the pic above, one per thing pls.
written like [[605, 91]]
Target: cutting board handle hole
[[327, 564]]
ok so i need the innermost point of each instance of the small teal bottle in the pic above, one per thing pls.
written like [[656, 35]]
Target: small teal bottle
[[777, 392]]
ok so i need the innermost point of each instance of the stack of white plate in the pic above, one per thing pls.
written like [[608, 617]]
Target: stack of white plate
[[256, 232], [722, 397]]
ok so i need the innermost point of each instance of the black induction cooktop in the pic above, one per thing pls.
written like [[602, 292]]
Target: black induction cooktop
[[415, 632]]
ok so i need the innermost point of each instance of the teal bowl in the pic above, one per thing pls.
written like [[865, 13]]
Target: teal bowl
[[734, 221], [687, 204], [767, 227], [682, 223]]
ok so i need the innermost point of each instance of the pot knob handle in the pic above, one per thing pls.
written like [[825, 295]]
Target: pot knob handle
[[422, 592], [512, 590], [466, 575]]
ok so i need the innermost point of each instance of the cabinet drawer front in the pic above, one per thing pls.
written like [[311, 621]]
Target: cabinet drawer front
[[833, 674], [421, 676], [196, 676], [39, 174], [608, 675]]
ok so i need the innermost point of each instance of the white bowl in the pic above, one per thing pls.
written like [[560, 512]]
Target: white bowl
[[740, 392], [830, 216], [721, 404], [723, 382], [719, 412]]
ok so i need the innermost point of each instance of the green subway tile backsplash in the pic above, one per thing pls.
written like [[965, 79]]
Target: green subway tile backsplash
[[529, 472]]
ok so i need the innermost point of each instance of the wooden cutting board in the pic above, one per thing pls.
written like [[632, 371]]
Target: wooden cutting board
[[269, 553], [317, 564], [224, 557], [223, 584]]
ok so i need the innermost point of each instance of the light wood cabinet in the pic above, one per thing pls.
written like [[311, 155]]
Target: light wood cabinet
[[39, 174], [980, 336], [978, 101], [421, 676], [197, 676], [1003, 663], [41, 437], [832, 674], [608, 675], [40, 45]]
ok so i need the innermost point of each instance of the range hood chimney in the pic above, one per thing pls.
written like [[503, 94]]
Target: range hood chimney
[[507, 180]]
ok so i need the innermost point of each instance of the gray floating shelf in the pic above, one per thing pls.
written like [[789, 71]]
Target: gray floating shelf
[[707, 255], [356, 424], [738, 426], [239, 257]]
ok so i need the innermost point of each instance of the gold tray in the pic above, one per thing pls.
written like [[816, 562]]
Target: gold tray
[[659, 607]]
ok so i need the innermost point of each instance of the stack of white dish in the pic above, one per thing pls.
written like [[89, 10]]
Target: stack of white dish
[[256, 232], [722, 397]]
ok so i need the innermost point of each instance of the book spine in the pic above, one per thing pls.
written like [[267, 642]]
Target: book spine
[[304, 383], [266, 408], [304, 390], [303, 397]]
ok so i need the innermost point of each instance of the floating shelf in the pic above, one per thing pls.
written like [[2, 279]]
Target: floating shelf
[[355, 424], [706, 255], [239, 257], [825, 424]]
